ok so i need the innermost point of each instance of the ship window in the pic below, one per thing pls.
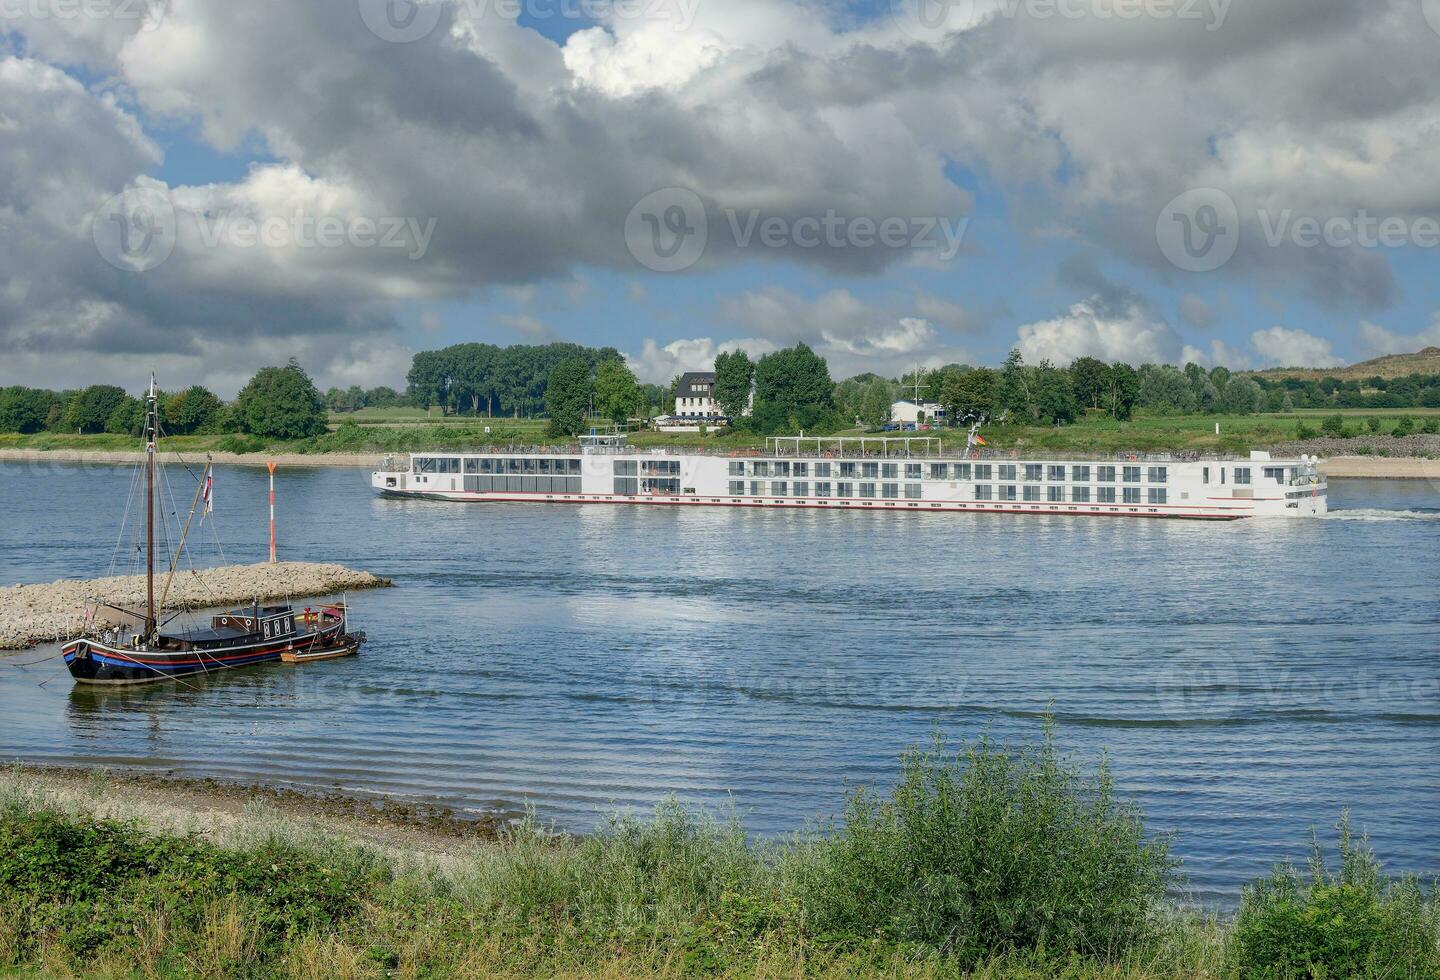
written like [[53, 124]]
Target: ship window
[[1105, 474], [627, 486], [1132, 474], [425, 464], [1132, 495], [487, 466], [737, 469], [844, 489], [737, 488], [939, 471], [778, 488], [1157, 495], [912, 471], [1158, 474], [532, 466], [1032, 493], [626, 467], [1080, 495], [962, 471], [890, 491], [849, 469], [983, 471], [760, 468], [801, 488], [1007, 471], [800, 469], [472, 465], [912, 491], [1205, 475], [1105, 495], [1080, 474], [1055, 474], [891, 471], [822, 469], [1276, 473], [982, 491], [781, 468], [1055, 494], [1007, 493], [757, 488], [869, 470], [867, 489], [822, 489], [1242, 475], [1033, 471]]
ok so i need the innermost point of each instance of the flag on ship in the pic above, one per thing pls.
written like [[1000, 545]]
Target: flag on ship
[[209, 495], [980, 441]]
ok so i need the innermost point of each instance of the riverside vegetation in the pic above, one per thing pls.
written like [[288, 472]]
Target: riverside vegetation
[[991, 862]]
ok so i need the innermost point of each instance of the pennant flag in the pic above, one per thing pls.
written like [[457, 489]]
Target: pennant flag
[[209, 493]]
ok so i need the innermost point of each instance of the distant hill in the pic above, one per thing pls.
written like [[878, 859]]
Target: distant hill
[[1426, 361]]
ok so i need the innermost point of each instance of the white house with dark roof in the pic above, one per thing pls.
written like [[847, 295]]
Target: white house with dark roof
[[695, 397], [909, 411]]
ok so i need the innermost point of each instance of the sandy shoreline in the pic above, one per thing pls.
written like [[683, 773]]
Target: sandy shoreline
[[167, 803], [1337, 467]]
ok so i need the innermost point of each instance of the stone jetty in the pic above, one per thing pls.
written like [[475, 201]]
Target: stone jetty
[[31, 614]]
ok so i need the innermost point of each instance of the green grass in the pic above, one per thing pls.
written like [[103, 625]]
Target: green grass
[[1093, 434], [991, 862]]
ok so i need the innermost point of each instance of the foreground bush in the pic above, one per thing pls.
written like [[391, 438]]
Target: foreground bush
[[1347, 924], [990, 851]]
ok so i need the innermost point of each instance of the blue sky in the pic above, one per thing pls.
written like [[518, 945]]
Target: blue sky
[[530, 145]]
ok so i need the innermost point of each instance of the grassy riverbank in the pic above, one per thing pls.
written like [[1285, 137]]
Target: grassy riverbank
[[987, 863], [1193, 433]]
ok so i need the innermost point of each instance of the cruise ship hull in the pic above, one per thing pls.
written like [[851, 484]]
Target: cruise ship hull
[[1152, 488]]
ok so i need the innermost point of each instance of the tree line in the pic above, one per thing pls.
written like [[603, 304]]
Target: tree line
[[277, 403]]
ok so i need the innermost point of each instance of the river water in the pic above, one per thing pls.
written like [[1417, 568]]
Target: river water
[[1248, 680]]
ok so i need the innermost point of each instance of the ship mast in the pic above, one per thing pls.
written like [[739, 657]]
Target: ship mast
[[150, 424]]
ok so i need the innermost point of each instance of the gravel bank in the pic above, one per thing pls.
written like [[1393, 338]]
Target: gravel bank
[[31, 614], [111, 458]]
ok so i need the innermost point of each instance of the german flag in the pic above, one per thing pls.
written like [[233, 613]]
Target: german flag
[[980, 441]]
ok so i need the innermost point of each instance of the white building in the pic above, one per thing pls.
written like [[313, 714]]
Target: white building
[[908, 411], [695, 397]]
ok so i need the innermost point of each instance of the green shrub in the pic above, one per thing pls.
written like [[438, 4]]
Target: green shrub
[[89, 881], [1431, 426], [237, 443], [1373, 424], [993, 851], [1331, 925], [1333, 426], [1403, 428]]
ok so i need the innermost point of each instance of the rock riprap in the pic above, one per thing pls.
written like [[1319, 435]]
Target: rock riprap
[[31, 614]]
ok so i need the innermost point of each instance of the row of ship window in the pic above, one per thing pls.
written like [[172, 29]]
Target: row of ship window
[[983, 491], [957, 472], [493, 464]]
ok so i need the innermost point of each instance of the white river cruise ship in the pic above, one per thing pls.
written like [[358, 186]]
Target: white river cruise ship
[[881, 473]]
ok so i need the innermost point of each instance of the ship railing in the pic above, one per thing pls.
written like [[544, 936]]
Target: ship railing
[[401, 464]]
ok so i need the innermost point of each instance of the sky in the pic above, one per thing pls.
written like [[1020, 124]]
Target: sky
[[205, 187]]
